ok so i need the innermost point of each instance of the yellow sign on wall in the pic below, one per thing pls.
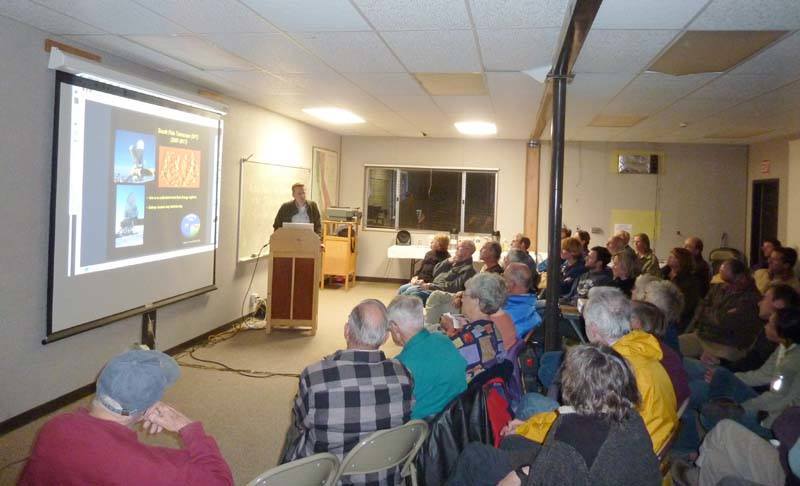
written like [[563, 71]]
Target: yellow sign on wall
[[648, 222]]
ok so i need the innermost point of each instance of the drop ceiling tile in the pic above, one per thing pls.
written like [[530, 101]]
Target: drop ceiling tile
[[411, 104], [749, 15], [210, 16], [646, 14], [274, 52], [415, 14], [259, 82], [517, 50], [665, 86], [779, 59], [596, 86], [513, 85], [450, 51], [621, 51], [737, 87], [477, 106], [325, 84], [122, 47], [641, 106], [387, 83], [309, 15], [193, 50], [124, 17], [44, 19], [518, 14], [352, 52]]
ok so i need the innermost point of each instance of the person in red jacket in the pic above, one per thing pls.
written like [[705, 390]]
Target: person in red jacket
[[99, 446]]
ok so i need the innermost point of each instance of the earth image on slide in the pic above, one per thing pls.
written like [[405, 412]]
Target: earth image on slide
[[190, 225]]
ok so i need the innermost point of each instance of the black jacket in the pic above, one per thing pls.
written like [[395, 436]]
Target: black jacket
[[289, 209], [432, 258]]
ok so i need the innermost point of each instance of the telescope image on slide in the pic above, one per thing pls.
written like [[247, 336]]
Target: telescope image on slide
[[134, 157], [129, 216]]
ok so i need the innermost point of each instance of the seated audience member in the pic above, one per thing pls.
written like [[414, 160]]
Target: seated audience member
[[626, 241], [490, 256], [99, 445], [438, 370], [519, 256], [732, 452], [767, 246], [520, 302], [442, 301], [669, 299], [639, 285], [597, 274], [701, 269], [478, 338], [615, 244], [623, 265], [585, 239], [523, 244], [726, 322], [679, 271], [776, 297], [608, 321], [597, 437], [649, 318], [449, 275], [647, 259], [424, 274], [573, 266], [352, 393], [565, 232], [780, 374], [780, 270]]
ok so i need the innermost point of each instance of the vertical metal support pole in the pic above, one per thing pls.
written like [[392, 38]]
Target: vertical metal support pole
[[552, 313]]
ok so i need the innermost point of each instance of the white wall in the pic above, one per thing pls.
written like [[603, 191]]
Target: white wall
[[700, 190], [30, 373], [506, 155]]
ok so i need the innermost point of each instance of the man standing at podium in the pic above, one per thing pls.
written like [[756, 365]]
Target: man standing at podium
[[299, 210]]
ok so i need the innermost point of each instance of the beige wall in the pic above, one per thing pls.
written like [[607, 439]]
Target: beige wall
[[31, 373], [777, 152], [700, 190], [506, 155]]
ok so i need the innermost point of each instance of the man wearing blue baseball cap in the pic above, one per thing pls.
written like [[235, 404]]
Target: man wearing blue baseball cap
[[99, 446]]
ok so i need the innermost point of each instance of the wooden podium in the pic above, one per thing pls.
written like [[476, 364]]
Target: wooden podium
[[294, 272]]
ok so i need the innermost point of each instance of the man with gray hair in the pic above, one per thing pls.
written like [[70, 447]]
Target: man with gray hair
[[350, 394], [608, 321], [438, 369], [98, 445]]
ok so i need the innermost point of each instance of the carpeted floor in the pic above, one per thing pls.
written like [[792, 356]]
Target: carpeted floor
[[247, 416]]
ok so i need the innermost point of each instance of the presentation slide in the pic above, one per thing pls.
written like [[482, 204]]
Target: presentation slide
[[136, 200]]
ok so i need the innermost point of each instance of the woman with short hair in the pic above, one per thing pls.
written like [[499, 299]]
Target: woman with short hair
[[599, 438], [573, 265], [479, 339], [679, 270]]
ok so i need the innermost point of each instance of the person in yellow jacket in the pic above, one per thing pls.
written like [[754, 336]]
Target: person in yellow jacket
[[608, 316]]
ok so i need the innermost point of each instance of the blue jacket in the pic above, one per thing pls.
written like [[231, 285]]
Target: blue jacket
[[522, 309]]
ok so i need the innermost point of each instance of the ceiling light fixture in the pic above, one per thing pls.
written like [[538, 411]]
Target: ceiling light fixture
[[337, 116], [476, 127]]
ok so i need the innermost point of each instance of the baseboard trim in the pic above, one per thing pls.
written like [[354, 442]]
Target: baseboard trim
[[49, 407], [381, 279]]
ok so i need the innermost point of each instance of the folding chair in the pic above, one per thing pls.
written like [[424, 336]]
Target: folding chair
[[317, 470], [386, 449]]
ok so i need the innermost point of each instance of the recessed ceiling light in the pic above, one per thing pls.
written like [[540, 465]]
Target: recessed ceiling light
[[476, 127], [337, 116]]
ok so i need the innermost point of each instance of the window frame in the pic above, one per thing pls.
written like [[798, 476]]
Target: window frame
[[397, 168]]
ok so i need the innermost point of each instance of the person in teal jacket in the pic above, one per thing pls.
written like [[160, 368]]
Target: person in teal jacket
[[438, 369]]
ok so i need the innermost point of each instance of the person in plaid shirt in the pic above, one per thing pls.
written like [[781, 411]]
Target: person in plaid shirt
[[352, 393]]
